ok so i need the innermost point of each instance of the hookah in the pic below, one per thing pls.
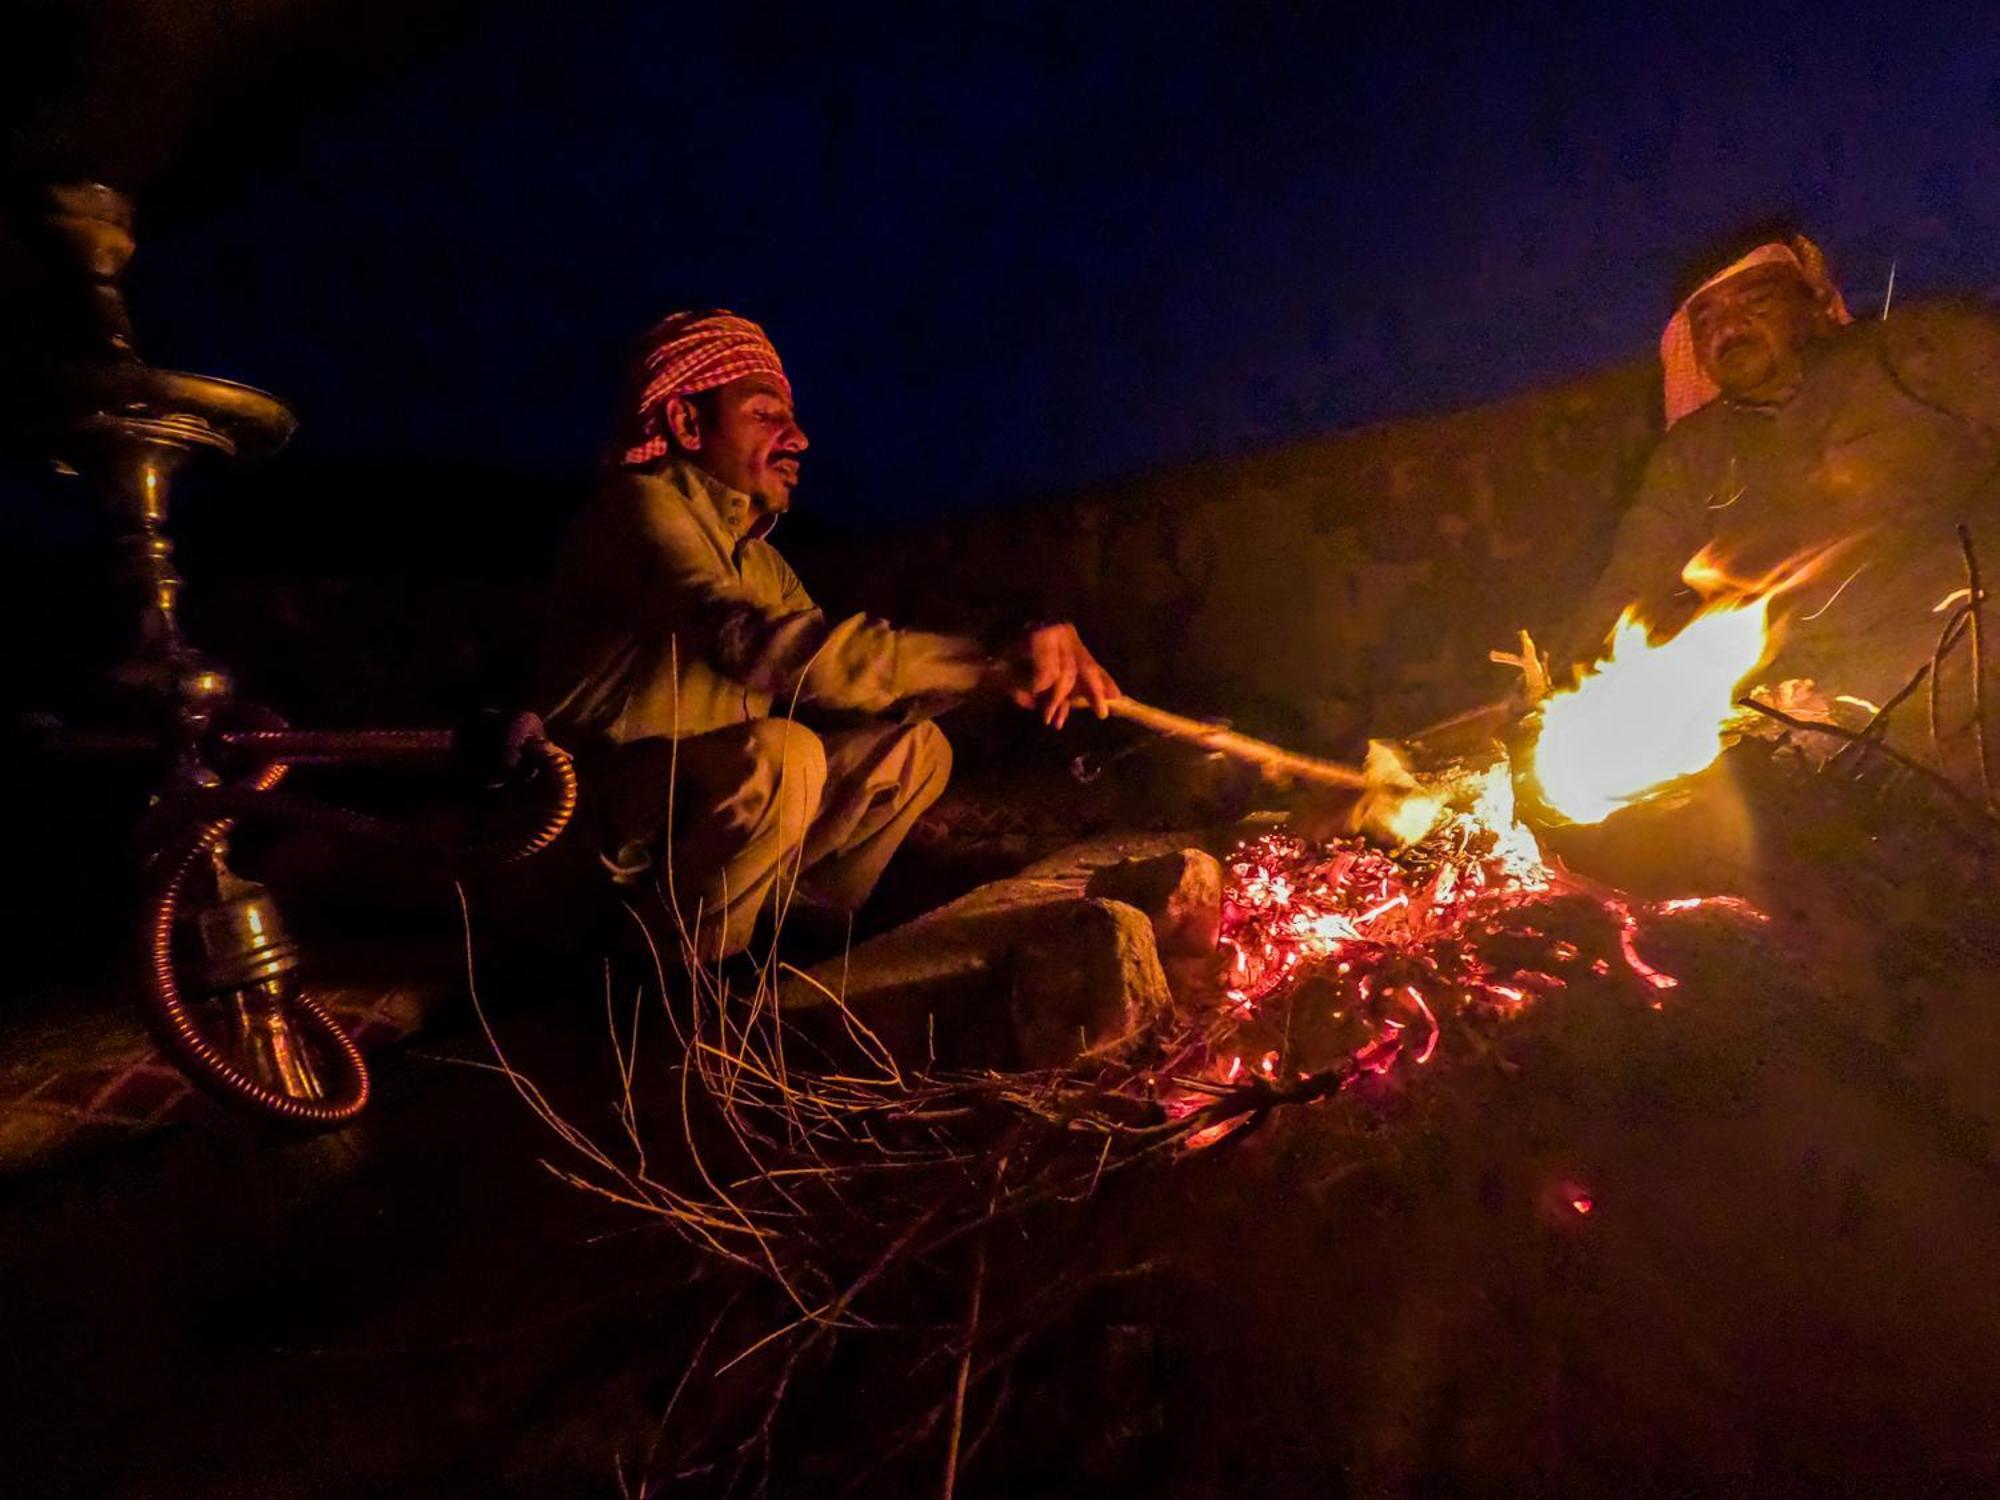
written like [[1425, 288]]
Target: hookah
[[220, 988]]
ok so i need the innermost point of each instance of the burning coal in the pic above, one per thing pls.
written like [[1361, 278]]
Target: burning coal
[[1457, 928]]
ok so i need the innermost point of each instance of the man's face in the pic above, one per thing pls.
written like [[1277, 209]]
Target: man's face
[[1749, 332], [749, 438]]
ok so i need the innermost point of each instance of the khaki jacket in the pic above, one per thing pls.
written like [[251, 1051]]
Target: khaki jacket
[[671, 615]]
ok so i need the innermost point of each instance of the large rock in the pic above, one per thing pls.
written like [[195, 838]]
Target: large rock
[[1022, 972], [1181, 892], [1086, 978]]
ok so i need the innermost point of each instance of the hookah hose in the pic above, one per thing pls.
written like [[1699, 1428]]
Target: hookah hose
[[209, 814]]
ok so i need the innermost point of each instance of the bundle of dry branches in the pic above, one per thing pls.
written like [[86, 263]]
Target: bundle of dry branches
[[1964, 623], [859, 1193], [832, 1175]]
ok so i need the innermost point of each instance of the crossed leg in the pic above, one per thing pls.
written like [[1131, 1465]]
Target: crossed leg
[[743, 812]]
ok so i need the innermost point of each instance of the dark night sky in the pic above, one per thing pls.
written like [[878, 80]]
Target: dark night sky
[[1034, 245]]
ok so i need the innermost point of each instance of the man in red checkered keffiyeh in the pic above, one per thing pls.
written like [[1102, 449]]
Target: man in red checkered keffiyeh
[[680, 642], [687, 354]]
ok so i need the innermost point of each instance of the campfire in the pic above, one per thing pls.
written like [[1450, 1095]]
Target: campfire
[[853, 1180], [1459, 922], [1455, 923]]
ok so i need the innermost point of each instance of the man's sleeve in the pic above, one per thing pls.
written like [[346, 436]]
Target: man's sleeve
[[1947, 355], [788, 649], [1666, 526]]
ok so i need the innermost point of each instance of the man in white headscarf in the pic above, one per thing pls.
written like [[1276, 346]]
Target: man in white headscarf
[[1790, 428]]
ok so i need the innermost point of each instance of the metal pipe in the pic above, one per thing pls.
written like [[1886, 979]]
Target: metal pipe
[[239, 801], [345, 747]]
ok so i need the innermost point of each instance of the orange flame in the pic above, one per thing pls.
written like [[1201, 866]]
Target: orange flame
[[1652, 712]]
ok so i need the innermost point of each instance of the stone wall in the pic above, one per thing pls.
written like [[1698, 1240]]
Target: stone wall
[[1316, 592]]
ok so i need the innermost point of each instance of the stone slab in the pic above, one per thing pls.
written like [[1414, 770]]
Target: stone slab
[[1028, 971]]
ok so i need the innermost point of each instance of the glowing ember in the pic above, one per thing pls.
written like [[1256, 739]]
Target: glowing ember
[[1413, 817], [1648, 714], [1404, 943], [1582, 1203], [1401, 946]]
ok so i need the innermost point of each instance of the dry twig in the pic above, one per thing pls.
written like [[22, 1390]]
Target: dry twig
[[1878, 722], [1875, 746], [1948, 638], [1975, 606], [973, 1300]]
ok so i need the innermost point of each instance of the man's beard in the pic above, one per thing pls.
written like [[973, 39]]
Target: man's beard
[[1745, 366], [768, 511]]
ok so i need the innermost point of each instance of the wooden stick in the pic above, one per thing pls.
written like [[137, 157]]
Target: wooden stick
[[1878, 722], [1269, 758], [1975, 602], [1487, 717]]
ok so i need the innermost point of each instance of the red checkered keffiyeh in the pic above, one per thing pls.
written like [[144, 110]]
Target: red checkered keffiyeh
[[685, 353], [1687, 388]]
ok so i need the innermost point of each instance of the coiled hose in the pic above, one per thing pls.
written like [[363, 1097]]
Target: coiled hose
[[212, 812]]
